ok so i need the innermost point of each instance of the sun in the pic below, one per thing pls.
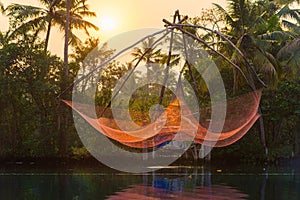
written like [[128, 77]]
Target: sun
[[107, 24]]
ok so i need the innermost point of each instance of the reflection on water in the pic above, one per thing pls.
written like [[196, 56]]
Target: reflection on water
[[217, 192], [176, 183]]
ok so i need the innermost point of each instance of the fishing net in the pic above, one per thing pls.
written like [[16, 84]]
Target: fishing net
[[177, 119]]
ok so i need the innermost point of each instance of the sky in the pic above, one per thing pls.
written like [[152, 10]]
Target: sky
[[117, 16]]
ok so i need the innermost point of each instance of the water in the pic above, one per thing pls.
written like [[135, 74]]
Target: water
[[187, 182]]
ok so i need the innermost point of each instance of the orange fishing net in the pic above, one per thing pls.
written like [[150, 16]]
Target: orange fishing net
[[177, 122]]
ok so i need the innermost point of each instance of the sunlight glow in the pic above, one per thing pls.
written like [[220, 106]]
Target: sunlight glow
[[107, 24]]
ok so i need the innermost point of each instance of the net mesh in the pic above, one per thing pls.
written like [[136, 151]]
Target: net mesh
[[177, 122]]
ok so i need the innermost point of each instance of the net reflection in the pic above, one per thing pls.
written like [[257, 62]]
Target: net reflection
[[174, 189], [216, 192]]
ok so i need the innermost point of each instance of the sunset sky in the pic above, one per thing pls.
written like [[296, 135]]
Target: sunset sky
[[117, 16]]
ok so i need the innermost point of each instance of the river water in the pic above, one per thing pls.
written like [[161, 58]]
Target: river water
[[176, 182]]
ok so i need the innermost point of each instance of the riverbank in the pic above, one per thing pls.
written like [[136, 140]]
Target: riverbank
[[90, 164]]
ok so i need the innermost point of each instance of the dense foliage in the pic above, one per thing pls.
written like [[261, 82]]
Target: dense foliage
[[33, 123]]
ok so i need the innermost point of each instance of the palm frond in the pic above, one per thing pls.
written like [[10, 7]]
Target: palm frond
[[36, 24], [2, 9], [74, 40], [54, 3], [19, 11], [78, 23], [289, 55], [87, 14], [224, 13], [286, 12], [290, 49], [291, 26], [284, 2], [259, 20], [266, 65], [276, 36]]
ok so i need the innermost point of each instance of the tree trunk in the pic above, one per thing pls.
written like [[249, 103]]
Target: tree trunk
[[161, 96], [67, 29], [48, 35], [262, 132], [297, 129], [235, 80], [297, 137], [62, 113], [148, 80]]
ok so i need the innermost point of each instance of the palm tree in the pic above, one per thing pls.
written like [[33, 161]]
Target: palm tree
[[33, 18], [286, 37], [149, 55], [75, 11], [256, 29], [26, 18], [289, 54], [246, 23], [67, 31]]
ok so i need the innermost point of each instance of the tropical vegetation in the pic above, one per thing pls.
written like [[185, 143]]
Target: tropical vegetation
[[35, 124]]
